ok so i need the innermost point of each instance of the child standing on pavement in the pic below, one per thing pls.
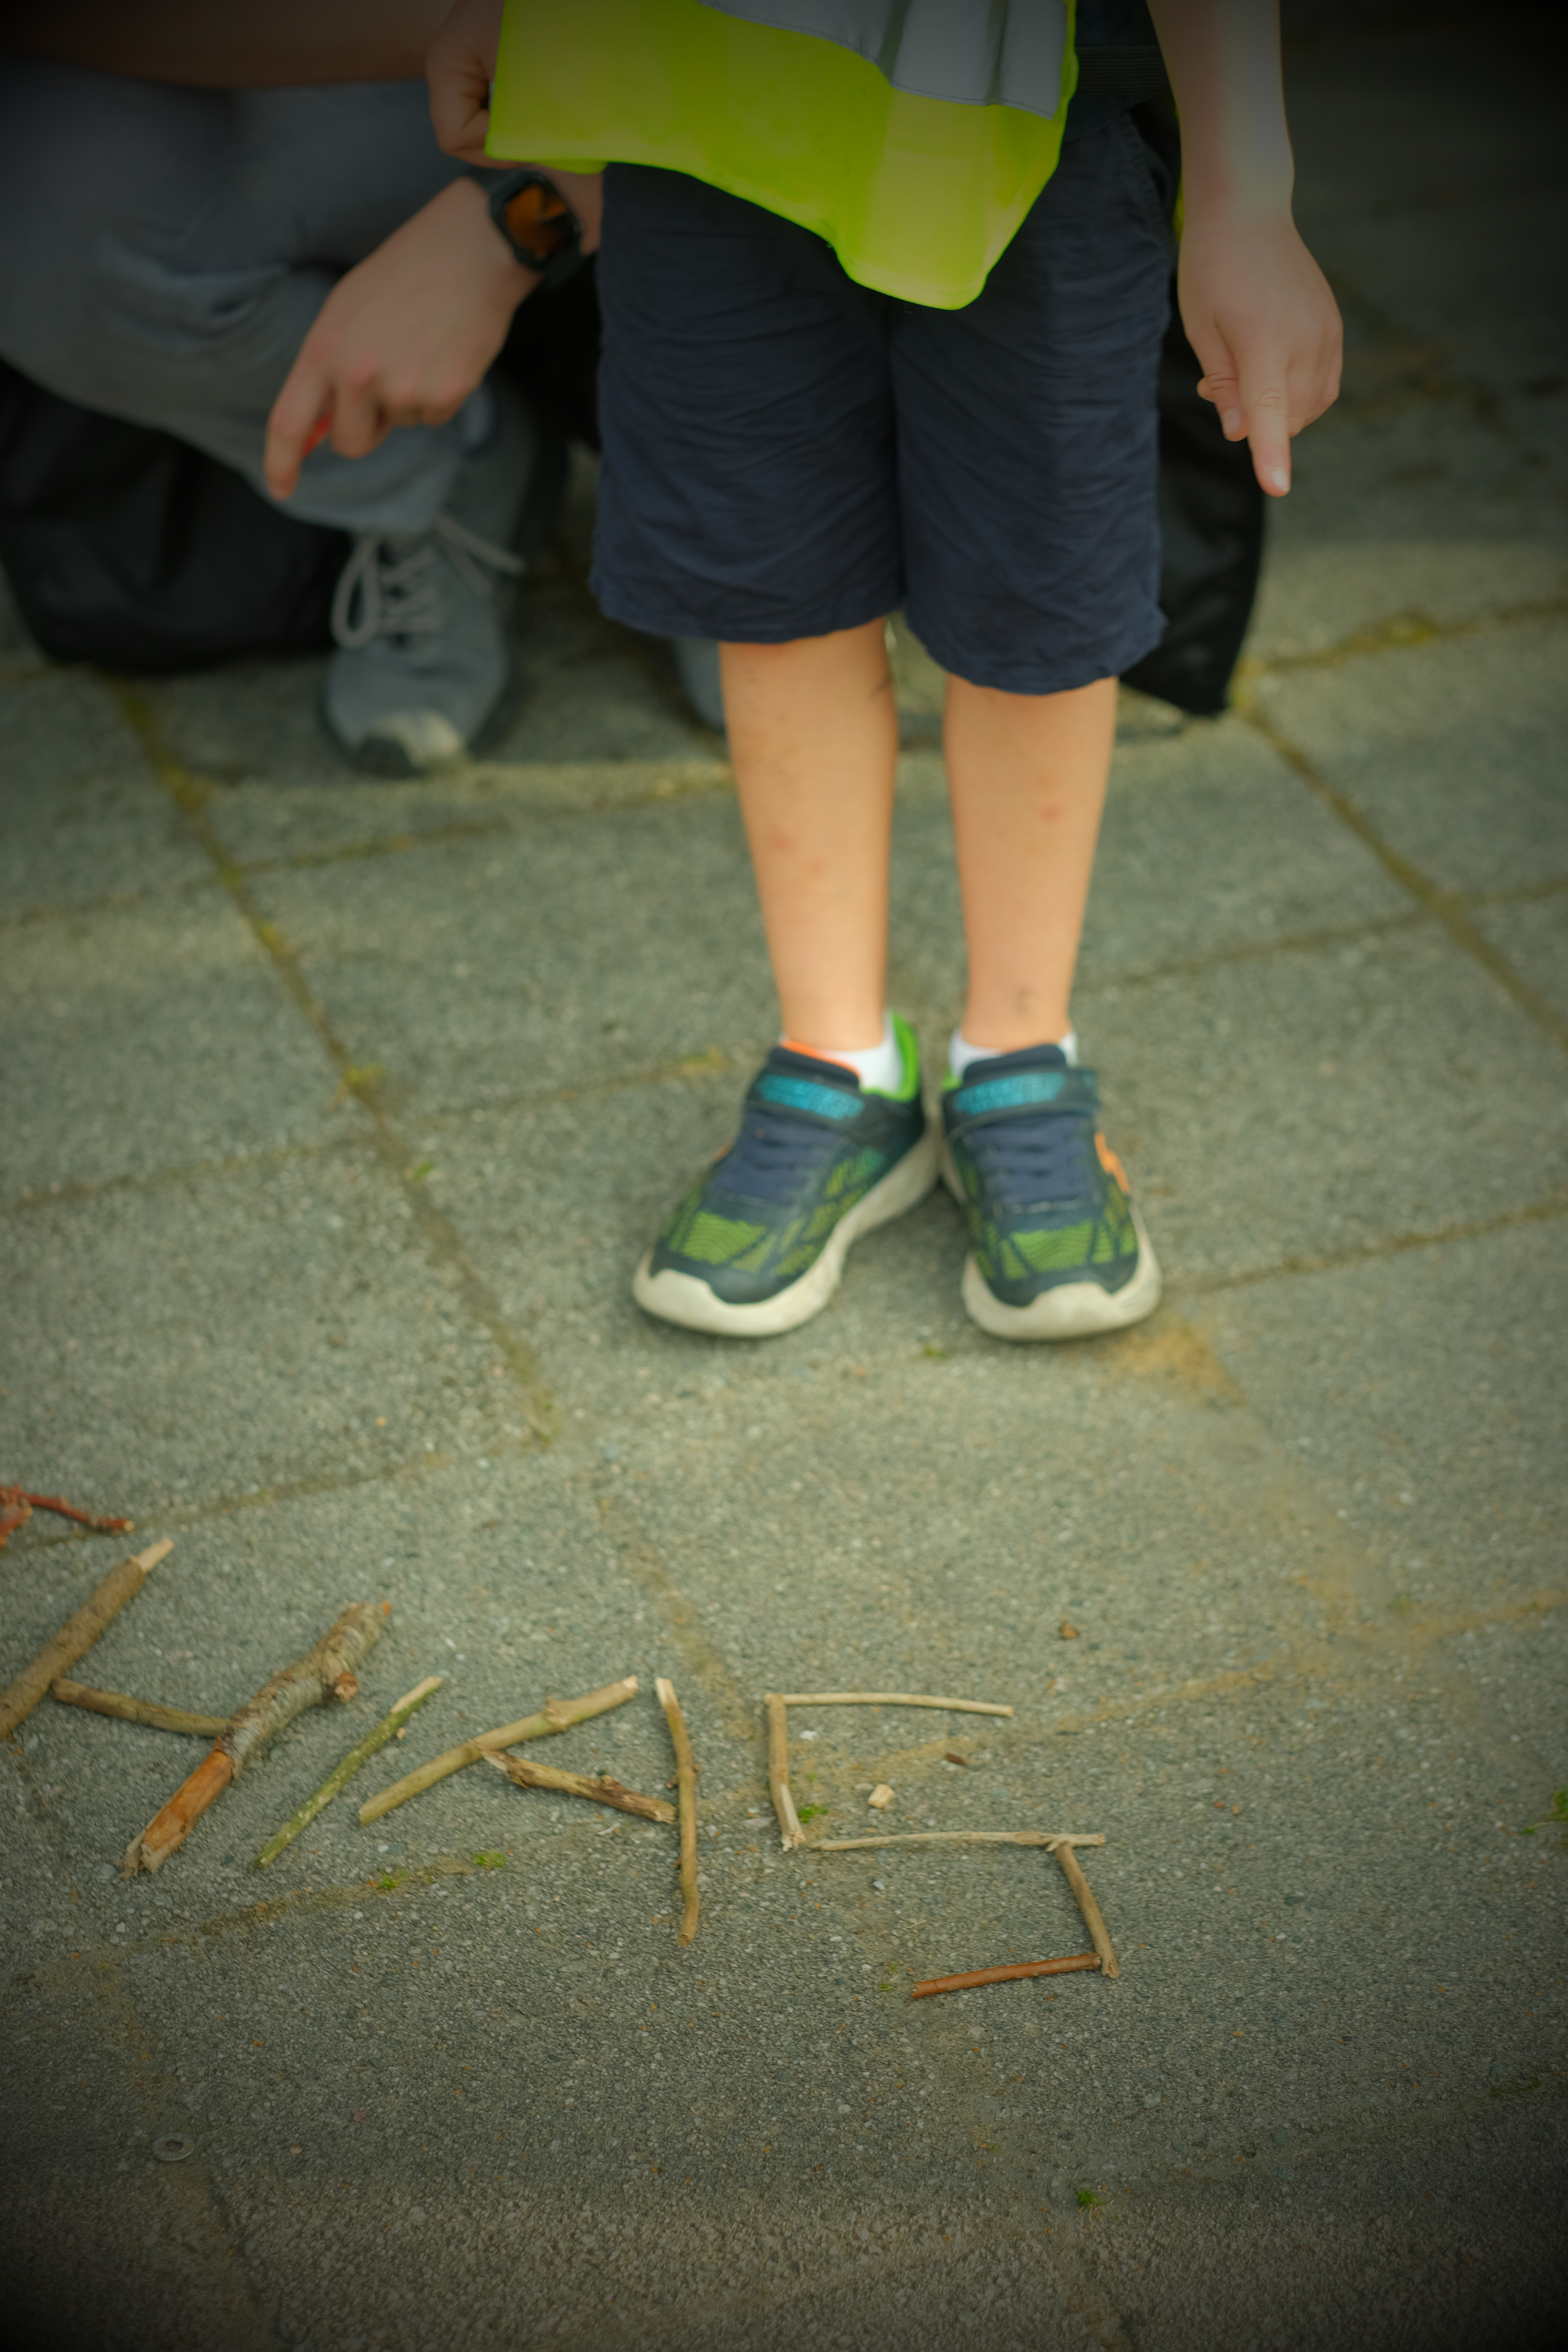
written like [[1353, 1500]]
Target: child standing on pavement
[[881, 331]]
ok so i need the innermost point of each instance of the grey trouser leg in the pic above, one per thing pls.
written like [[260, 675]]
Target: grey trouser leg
[[164, 253]]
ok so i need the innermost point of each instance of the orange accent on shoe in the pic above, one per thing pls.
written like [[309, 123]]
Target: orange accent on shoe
[[820, 1053], [1109, 1162]]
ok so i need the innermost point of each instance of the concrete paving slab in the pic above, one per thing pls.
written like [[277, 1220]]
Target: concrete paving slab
[[84, 823], [1453, 1490], [163, 1037], [1417, 512], [1452, 748], [209, 1335], [1532, 934]]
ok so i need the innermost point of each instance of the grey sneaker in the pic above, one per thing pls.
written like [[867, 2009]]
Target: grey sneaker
[[423, 669]]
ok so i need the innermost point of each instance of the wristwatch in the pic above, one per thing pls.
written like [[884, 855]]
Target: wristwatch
[[543, 232]]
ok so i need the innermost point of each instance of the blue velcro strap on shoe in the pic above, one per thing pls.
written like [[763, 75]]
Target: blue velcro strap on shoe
[[803, 1094], [1008, 1094]]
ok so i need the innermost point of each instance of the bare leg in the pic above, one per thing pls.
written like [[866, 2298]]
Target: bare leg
[[814, 734], [1027, 775]]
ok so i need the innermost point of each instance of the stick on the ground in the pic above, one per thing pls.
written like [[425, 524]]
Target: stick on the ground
[[603, 1790], [78, 1634], [1089, 1907], [556, 1715], [342, 1773], [1051, 1839], [888, 1699], [138, 1710], [1005, 1976], [778, 1772], [686, 1798], [326, 1671], [16, 1506]]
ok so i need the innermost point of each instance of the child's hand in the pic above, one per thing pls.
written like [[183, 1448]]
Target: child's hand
[[1259, 315], [402, 339], [459, 69]]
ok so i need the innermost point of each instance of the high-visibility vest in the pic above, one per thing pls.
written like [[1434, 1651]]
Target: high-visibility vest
[[913, 134]]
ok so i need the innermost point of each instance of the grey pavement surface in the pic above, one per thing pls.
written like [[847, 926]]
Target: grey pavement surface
[[337, 1116]]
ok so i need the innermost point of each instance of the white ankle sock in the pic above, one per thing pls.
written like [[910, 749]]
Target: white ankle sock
[[960, 1053], [880, 1067]]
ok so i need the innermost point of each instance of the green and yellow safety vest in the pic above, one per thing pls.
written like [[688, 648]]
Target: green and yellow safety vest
[[913, 134]]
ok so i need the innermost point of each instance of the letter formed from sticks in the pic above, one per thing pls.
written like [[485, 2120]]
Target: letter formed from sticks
[[78, 1634], [390, 1726], [322, 1674], [777, 1702], [556, 1715]]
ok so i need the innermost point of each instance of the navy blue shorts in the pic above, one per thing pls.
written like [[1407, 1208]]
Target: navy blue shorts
[[787, 452]]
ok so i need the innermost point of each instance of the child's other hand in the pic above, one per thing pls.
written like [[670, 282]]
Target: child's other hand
[[402, 339], [1259, 315], [459, 69]]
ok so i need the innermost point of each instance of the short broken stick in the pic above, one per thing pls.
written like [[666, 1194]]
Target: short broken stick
[[341, 1774], [603, 1790], [556, 1715], [888, 1699], [790, 1829], [1006, 1975], [326, 1671], [686, 1798], [1051, 1839], [1087, 1905], [16, 1506], [138, 1710], [78, 1634]]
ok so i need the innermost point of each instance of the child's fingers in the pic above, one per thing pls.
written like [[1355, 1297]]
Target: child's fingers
[[1225, 390], [1266, 412], [291, 427]]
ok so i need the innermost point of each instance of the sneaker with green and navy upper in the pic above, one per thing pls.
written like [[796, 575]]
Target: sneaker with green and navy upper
[[1057, 1249], [758, 1245]]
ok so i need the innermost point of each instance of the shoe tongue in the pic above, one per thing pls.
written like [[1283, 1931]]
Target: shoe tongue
[[1003, 1065], [789, 1064]]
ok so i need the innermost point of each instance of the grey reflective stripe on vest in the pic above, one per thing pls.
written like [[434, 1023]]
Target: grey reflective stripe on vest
[[971, 52]]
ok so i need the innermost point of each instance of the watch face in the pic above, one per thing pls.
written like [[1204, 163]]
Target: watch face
[[538, 220]]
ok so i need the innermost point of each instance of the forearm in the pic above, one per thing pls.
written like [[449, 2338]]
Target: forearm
[[229, 44], [1223, 57]]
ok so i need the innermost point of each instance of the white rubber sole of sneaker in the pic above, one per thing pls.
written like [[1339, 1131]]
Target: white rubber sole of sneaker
[[681, 1298], [1073, 1310]]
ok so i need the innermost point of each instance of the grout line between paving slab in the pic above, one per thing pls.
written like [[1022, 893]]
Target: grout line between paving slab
[[1401, 633], [190, 797], [1533, 1212], [1444, 905]]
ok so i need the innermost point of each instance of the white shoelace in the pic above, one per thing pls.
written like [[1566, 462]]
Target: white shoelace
[[396, 581]]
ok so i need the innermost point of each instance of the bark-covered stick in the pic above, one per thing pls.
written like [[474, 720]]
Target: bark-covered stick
[[888, 1699], [326, 1671], [686, 1795], [790, 1829], [78, 1634], [138, 1710], [1089, 1907], [603, 1791], [341, 1774], [1005, 1975], [556, 1715], [16, 1508], [1051, 1839]]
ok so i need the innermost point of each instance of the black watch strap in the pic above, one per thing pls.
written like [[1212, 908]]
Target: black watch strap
[[539, 226]]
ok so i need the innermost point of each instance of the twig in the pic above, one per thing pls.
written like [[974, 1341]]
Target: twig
[[556, 1715], [138, 1710], [342, 1773], [603, 1790], [16, 1506], [1050, 1839], [1005, 1975], [326, 1671], [686, 1799], [1088, 1906], [790, 1829], [888, 1699], [78, 1634]]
